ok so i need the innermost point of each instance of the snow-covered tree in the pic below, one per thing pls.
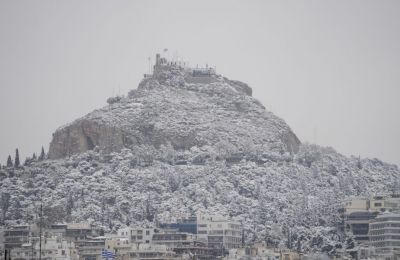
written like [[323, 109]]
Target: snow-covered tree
[[42, 155], [9, 162]]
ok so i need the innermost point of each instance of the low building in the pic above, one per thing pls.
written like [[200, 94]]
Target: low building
[[80, 231], [118, 245], [90, 248], [173, 239], [183, 244], [149, 251], [138, 235], [18, 235], [384, 233], [203, 72], [186, 225], [53, 247], [356, 205], [256, 252], [58, 229], [378, 203]]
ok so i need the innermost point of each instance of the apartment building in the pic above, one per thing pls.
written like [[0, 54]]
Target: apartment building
[[219, 232], [138, 235], [53, 247], [18, 235], [384, 233]]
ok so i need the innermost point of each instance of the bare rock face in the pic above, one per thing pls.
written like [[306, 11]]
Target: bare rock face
[[175, 107], [84, 135]]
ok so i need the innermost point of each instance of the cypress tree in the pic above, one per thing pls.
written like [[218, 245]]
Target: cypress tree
[[42, 155], [9, 161], [16, 163]]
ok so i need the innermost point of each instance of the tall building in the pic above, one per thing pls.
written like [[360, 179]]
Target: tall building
[[219, 232], [358, 224], [384, 233]]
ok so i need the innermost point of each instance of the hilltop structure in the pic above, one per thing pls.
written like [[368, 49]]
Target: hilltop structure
[[195, 72]]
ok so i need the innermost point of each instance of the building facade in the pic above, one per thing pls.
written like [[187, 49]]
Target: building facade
[[384, 234], [219, 232]]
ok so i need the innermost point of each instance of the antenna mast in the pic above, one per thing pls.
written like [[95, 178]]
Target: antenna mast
[[149, 59]]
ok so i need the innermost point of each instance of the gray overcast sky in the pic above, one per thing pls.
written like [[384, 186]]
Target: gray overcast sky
[[329, 68]]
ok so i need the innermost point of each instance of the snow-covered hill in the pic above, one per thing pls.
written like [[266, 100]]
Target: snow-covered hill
[[174, 147], [172, 107]]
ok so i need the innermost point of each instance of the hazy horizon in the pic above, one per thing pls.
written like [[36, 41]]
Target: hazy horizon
[[330, 69]]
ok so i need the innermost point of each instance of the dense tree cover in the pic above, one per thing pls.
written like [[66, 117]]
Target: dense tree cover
[[285, 200]]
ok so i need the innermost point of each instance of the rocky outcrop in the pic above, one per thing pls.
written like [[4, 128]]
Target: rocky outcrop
[[175, 107], [84, 135]]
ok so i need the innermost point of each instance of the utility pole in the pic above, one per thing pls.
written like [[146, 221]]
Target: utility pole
[[40, 229], [31, 247]]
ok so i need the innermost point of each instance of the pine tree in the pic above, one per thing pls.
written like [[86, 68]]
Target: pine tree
[[34, 157], [9, 161], [42, 155], [16, 163]]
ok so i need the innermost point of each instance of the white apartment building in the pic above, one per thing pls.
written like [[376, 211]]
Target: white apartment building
[[384, 233], [219, 232], [138, 235]]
